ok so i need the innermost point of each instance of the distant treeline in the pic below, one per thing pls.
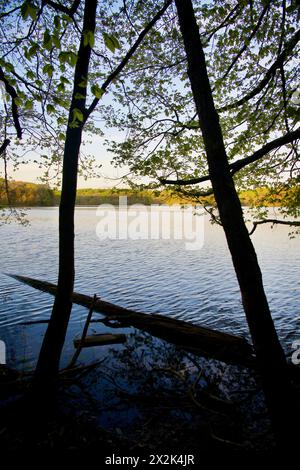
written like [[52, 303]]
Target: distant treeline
[[31, 194], [21, 193]]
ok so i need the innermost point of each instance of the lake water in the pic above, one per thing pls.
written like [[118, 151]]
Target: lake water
[[154, 276]]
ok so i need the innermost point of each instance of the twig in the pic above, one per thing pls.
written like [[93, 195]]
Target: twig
[[294, 223]]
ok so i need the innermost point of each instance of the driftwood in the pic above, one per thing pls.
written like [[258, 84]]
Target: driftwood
[[201, 341], [99, 340]]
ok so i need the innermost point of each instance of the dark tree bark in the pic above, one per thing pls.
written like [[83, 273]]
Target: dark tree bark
[[48, 362], [270, 356]]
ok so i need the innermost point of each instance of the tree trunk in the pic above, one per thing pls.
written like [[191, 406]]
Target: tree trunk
[[48, 361], [270, 356]]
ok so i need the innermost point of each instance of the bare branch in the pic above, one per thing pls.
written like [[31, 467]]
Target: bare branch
[[292, 223], [187, 182], [128, 16], [7, 13]]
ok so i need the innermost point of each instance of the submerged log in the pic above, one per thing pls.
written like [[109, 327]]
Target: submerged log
[[199, 340], [99, 340]]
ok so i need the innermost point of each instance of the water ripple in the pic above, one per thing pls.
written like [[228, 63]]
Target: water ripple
[[155, 276]]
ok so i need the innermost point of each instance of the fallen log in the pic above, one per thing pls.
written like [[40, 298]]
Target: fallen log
[[199, 340], [99, 340]]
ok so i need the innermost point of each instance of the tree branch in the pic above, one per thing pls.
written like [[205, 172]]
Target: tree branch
[[128, 56], [286, 139], [197, 194], [294, 223], [268, 76], [247, 42], [187, 182], [229, 18], [4, 146], [14, 108], [59, 7], [7, 13], [239, 164]]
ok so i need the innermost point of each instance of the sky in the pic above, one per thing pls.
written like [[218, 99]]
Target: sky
[[109, 174]]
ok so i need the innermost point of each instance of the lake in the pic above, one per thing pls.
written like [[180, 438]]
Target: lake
[[150, 275]]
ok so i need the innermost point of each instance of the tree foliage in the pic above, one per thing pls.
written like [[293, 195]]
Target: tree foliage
[[252, 54], [252, 51], [26, 194]]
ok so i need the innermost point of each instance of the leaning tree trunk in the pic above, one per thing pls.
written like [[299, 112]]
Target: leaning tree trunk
[[270, 356], [48, 361]]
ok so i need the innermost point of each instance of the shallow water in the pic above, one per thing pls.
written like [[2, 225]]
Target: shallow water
[[155, 276]]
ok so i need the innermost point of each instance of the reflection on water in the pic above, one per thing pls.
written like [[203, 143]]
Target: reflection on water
[[155, 276]]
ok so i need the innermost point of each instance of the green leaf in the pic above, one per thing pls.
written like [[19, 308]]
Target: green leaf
[[30, 74], [67, 19], [64, 80], [74, 124], [61, 87], [60, 120], [68, 57], [22, 95], [97, 91], [48, 69], [61, 102], [83, 83], [50, 108], [47, 40], [31, 52], [28, 104], [56, 41], [28, 9], [77, 115], [293, 112], [88, 38], [9, 67], [111, 42], [72, 59], [79, 96], [56, 21], [63, 56], [18, 101]]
